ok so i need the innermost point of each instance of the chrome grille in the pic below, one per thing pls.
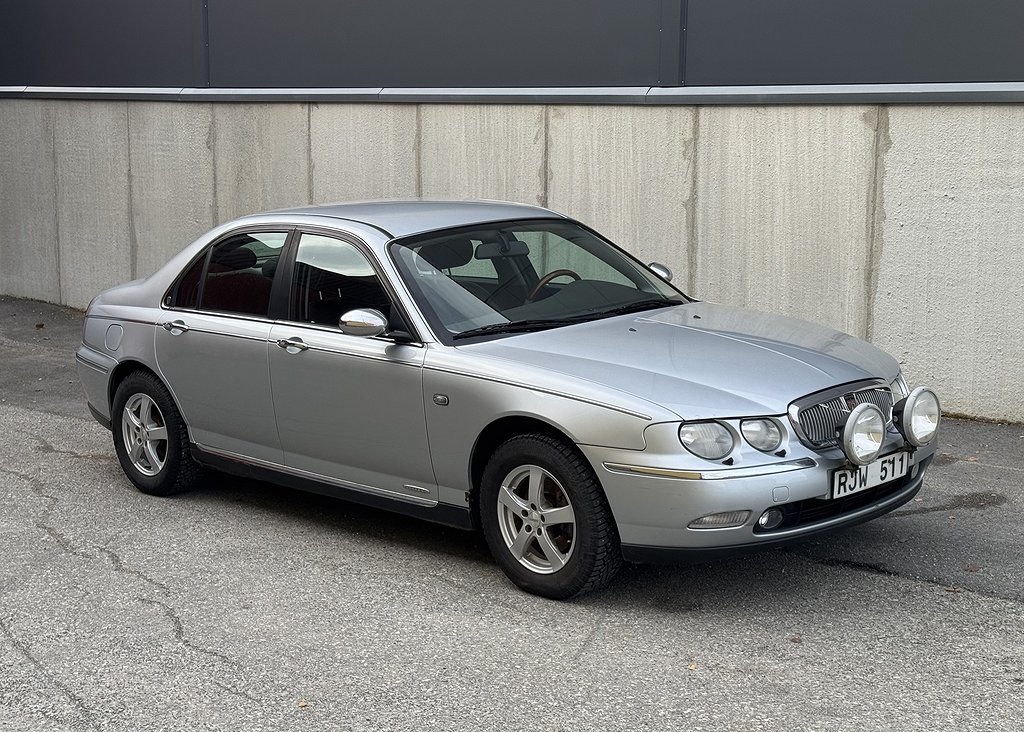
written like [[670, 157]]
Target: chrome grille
[[818, 422]]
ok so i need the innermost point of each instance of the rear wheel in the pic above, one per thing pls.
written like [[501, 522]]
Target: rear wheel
[[150, 437], [546, 519]]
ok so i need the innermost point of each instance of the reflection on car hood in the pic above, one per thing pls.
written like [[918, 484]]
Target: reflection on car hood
[[701, 360]]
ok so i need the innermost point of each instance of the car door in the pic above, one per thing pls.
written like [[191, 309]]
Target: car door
[[349, 408], [212, 348]]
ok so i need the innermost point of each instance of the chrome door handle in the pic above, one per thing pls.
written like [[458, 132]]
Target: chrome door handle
[[176, 327], [293, 342]]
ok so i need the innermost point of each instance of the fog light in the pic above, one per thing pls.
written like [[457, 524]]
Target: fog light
[[862, 434], [770, 518], [917, 417], [726, 520]]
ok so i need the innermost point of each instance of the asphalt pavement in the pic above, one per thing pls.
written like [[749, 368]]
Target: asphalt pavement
[[245, 606]]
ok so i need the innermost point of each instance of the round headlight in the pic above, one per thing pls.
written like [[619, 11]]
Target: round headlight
[[862, 434], [762, 434], [709, 440], [917, 416]]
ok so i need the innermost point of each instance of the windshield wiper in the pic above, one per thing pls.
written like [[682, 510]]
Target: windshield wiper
[[637, 306], [515, 326]]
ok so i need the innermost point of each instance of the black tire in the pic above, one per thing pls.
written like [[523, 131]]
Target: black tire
[[168, 468], [592, 554]]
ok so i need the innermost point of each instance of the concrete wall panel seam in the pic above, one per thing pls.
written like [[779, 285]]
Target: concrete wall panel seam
[[691, 209], [133, 241], [876, 218]]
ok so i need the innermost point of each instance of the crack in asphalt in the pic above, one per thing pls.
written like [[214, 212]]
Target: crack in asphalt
[[26, 652], [118, 566], [237, 692], [588, 641], [41, 521], [882, 570], [178, 629]]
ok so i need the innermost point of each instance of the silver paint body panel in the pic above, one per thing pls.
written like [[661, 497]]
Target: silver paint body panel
[[402, 420]]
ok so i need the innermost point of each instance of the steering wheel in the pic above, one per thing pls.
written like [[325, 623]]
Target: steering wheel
[[546, 279]]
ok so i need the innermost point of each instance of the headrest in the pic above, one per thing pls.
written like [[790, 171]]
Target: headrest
[[234, 259], [269, 268], [448, 253]]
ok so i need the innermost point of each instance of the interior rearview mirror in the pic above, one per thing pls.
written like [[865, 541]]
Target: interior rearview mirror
[[495, 249]]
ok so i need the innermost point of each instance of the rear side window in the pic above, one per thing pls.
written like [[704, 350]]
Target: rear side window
[[235, 276]]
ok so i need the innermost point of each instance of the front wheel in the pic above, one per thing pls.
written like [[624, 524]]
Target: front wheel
[[546, 519], [150, 437]]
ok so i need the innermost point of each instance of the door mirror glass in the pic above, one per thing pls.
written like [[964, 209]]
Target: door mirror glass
[[363, 322]]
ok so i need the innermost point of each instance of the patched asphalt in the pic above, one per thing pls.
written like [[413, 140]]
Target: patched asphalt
[[245, 606]]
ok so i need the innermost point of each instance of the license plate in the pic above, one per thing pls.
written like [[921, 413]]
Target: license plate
[[865, 477]]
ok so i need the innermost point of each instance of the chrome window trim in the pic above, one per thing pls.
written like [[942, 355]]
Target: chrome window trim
[[328, 330], [350, 354]]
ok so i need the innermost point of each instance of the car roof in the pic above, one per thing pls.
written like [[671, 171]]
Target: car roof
[[404, 218]]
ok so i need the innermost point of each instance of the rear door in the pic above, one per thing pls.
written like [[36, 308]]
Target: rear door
[[212, 348]]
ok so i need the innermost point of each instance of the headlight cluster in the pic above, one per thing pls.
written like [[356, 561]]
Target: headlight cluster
[[709, 440], [762, 434], [713, 440]]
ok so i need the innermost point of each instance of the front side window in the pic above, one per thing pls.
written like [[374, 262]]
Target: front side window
[[331, 277], [513, 277], [235, 276]]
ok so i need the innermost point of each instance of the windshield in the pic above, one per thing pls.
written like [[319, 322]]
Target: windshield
[[513, 277]]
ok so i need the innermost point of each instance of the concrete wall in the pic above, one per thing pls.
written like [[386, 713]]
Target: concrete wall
[[897, 224]]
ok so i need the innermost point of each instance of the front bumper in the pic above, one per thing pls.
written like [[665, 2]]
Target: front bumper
[[653, 511]]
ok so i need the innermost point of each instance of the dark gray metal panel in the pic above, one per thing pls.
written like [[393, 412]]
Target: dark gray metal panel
[[735, 42], [101, 43], [670, 41], [440, 43]]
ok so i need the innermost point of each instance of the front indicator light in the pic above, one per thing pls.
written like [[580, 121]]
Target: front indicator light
[[709, 440], [917, 417], [862, 434], [726, 520], [762, 434]]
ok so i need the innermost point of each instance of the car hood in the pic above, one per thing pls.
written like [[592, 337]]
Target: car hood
[[700, 360]]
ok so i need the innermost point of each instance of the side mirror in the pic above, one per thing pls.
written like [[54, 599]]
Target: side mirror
[[363, 322], [661, 270]]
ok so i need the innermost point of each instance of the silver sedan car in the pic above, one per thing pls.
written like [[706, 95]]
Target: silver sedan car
[[499, 367]]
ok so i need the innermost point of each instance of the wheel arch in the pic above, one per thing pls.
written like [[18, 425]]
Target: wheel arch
[[126, 368], [493, 435]]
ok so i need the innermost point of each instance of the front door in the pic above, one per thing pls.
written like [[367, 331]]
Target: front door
[[348, 408]]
